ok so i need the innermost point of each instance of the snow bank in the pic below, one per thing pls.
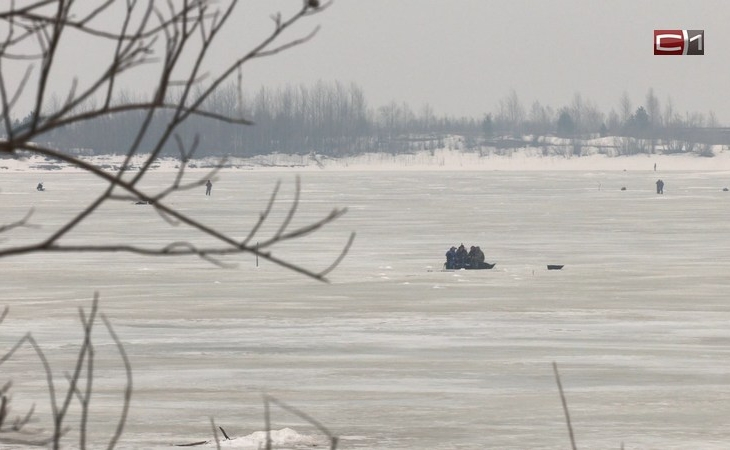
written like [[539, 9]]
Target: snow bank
[[286, 438], [521, 159]]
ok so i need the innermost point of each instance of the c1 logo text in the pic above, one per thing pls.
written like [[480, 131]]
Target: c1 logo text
[[679, 42]]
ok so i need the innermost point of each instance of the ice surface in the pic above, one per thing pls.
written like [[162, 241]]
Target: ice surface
[[393, 353]]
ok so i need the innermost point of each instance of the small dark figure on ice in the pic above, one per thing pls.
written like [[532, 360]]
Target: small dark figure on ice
[[208, 187], [40, 187], [659, 187]]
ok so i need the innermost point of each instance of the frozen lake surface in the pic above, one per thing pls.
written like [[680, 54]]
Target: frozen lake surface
[[394, 353]]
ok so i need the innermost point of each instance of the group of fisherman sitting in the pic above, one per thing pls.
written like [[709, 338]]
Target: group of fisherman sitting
[[460, 258]]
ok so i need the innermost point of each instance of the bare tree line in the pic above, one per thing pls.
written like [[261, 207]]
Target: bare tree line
[[327, 118], [640, 127], [335, 119]]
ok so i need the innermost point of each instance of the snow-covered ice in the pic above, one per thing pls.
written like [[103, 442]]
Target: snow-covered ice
[[394, 353]]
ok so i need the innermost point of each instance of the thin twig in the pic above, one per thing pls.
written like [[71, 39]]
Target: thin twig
[[565, 406], [215, 434], [128, 388]]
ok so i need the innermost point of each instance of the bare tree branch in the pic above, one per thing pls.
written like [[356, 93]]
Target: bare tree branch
[[128, 388], [84, 368], [232, 246], [565, 406], [174, 39], [19, 223], [178, 27], [269, 399]]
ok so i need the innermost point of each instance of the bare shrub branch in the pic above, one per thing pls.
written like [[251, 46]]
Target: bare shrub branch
[[268, 399], [175, 40], [565, 406], [83, 370], [181, 31]]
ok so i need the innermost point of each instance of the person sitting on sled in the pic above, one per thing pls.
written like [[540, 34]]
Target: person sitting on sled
[[451, 258], [478, 258], [471, 258], [461, 257]]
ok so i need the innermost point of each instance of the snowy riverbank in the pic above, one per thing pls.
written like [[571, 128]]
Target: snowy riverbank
[[524, 159]]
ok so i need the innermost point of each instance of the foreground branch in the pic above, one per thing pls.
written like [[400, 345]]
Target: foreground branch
[[186, 32]]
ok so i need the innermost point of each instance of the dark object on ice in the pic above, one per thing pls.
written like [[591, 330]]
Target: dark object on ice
[[40, 187], [482, 266], [192, 444], [659, 187], [623, 188], [459, 258], [725, 189], [208, 187], [142, 202], [555, 266]]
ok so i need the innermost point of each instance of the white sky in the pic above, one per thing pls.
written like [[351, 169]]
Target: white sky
[[463, 56]]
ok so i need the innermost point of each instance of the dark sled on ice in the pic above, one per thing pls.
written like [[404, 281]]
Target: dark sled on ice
[[555, 266], [482, 266]]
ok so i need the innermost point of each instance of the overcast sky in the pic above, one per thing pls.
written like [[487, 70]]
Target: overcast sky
[[463, 56]]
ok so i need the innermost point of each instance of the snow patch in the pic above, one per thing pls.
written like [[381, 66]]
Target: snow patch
[[286, 438]]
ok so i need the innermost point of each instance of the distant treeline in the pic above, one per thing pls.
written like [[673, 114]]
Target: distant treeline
[[334, 119]]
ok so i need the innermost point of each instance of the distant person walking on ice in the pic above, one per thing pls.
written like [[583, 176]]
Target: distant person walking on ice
[[40, 187], [208, 187], [659, 187]]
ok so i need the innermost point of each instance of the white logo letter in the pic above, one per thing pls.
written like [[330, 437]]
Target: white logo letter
[[659, 46]]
